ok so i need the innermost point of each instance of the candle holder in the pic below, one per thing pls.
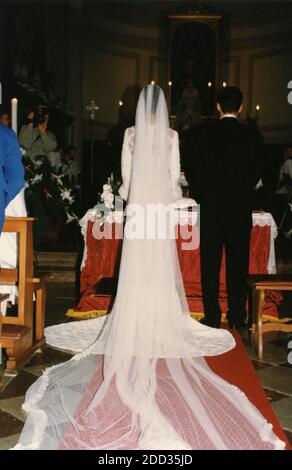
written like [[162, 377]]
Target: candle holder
[[257, 112]]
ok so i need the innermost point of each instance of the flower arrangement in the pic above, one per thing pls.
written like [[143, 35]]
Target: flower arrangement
[[106, 200], [44, 185]]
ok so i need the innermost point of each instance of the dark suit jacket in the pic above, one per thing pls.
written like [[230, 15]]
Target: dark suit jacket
[[11, 169], [226, 167]]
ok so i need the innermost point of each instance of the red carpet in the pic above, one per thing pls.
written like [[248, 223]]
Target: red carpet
[[236, 368], [109, 422]]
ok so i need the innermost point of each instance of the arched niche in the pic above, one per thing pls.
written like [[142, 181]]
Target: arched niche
[[194, 61]]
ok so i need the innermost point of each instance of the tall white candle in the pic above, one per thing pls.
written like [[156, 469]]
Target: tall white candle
[[169, 96], [14, 114]]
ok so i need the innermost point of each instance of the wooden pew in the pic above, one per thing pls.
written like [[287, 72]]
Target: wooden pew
[[259, 285], [2, 298], [23, 334]]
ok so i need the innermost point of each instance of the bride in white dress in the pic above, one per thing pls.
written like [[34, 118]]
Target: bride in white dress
[[143, 382]]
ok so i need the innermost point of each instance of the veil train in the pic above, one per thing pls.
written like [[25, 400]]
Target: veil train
[[143, 382]]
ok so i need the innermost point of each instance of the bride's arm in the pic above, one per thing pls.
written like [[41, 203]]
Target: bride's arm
[[174, 168], [126, 162]]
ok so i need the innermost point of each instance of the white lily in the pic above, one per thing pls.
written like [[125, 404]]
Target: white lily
[[107, 187], [58, 178], [36, 179], [70, 217], [66, 195]]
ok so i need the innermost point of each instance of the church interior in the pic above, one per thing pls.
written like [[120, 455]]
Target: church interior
[[81, 65]]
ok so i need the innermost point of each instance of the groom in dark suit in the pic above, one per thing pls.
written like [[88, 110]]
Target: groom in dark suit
[[227, 169], [11, 169]]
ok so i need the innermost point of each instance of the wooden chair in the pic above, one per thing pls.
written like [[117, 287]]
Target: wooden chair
[[22, 335], [3, 297], [259, 285]]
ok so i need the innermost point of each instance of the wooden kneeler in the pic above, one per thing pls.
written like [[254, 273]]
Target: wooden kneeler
[[23, 334]]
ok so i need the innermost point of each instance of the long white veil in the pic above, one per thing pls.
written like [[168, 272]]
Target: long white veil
[[143, 383]]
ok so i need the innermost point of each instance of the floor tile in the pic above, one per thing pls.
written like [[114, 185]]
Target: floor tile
[[18, 386], [8, 442], [289, 435], [276, 378], [286, 364], [49, 356], [259, 364], [4, 380], [273, 396], [13, 407], [36, 370], [273, 353], [283, 409], [9, 424]]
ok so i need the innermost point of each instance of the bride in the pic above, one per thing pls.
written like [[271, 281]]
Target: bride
[[143, 382]]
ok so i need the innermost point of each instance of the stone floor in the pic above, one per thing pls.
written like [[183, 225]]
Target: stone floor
[[275, 373]]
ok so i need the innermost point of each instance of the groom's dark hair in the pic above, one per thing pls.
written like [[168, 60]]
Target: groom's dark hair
[[230, 99]]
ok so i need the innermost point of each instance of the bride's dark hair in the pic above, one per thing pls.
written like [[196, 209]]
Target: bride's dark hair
[[155, 96]]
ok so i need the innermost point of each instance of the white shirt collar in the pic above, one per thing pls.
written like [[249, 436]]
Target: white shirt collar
[[229, 115]]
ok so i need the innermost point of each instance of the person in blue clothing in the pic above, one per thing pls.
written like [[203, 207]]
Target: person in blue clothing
[[11, 169]]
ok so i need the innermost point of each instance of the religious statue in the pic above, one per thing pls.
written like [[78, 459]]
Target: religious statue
[[189, 109]]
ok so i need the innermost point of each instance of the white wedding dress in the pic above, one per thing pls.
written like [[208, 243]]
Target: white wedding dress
[[143, 383]]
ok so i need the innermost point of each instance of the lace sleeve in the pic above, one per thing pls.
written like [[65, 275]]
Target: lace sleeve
[[174, 167], [126, 162]]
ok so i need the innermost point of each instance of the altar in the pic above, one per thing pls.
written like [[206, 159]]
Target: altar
[[101, 259]]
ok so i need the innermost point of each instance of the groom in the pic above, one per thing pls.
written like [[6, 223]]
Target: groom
[[11, 169], [228, 166]]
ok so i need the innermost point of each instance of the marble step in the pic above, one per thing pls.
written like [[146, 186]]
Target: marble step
[[57, 274], [55, 259], [58, 266]]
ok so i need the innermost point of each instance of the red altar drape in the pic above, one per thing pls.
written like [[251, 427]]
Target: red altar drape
[[103, 257]]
